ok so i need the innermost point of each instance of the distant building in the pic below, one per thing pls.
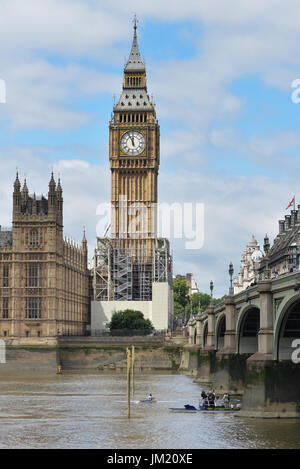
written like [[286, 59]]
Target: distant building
[[284, 254], [43, 278], [250, 262], [191, 282]]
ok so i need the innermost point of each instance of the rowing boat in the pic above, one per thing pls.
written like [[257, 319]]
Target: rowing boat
[[190, 408], [150, 401]]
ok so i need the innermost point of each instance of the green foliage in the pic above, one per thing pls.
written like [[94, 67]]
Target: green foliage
[[218, 300], [181, 289], [195, 303], [178, 309], [181, 299], [205, 300], [186, 306], [130, 319]]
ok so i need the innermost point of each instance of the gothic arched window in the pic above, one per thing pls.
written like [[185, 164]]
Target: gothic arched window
[[34, 238]]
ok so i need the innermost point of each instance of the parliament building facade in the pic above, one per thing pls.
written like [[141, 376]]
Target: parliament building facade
[[43, 278]]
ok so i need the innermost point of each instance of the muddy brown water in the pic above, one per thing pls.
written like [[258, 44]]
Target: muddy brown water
[[83, 410]]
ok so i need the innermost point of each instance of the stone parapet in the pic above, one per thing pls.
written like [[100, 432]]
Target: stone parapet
[[264, 286]]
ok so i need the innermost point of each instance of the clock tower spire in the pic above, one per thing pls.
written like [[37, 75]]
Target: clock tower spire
[[134, 61], [134, 159]]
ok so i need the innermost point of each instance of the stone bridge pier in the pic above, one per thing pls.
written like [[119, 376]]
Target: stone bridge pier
[[249, 345]]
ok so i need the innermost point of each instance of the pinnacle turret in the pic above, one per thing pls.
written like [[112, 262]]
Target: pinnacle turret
[[59, 188], [25, 189], [17, 184], [52, 185]]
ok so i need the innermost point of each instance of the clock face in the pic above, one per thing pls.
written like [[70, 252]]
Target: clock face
[[133, 143]]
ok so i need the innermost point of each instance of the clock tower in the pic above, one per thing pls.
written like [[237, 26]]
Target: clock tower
[[132, 268], [134, 162]]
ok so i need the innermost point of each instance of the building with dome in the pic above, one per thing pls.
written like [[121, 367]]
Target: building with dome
[[250, 263]]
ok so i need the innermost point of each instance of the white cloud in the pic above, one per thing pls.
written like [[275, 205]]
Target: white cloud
[[44, 96]]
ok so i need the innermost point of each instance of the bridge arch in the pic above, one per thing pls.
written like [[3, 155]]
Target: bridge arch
[[220, 331], [287, 328], [205, 333], [247, 330]]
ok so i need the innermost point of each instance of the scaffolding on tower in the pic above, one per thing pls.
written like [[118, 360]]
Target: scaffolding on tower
[[122, 275], [127, 274]]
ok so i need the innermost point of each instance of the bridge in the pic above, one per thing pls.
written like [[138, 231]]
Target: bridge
[[248, 344]]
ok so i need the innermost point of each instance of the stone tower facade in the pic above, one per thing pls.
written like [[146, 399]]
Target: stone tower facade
[[133, 267], [134, 161], [43, 278]]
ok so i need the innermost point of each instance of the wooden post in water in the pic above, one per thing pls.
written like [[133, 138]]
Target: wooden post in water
[[128, 381], [132, 369]]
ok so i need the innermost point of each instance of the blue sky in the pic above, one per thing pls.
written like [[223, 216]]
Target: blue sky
[[221, 78]]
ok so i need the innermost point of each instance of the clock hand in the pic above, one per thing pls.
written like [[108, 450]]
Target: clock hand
[[132, 141]]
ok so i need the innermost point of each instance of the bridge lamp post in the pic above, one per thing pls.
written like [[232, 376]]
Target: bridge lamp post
[[211, 286], [267, 249], [230, 270]]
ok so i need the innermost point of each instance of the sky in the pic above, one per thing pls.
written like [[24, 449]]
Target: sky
[[221, 74]]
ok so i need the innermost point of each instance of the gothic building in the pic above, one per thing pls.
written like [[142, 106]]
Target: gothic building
[[284, 254], [43, 278], [133, 265]]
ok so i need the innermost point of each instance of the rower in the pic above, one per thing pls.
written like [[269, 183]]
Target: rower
[[150, 398]]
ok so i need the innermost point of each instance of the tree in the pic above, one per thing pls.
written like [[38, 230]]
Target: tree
[[178, 310], [195, 303], [181, 299], [218, 300], [130, 319], [205, 300], [181, 289], [186, 306]]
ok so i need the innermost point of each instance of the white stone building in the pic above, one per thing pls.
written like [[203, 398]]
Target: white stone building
[[250, 262]]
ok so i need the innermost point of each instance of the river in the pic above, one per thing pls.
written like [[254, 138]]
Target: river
[[76, 410]]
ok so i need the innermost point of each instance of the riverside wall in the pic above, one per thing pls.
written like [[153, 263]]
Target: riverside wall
[[268, 388], [98, 354]]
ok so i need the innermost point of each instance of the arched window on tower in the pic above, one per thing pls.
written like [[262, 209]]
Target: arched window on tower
[[34, 238]]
